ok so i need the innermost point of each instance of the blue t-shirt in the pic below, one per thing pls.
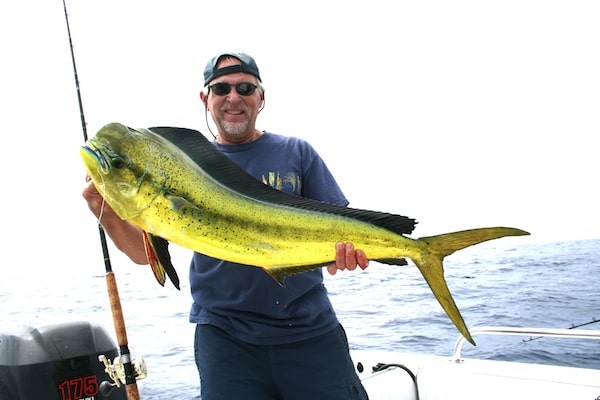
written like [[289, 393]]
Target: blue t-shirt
[[246, 302]]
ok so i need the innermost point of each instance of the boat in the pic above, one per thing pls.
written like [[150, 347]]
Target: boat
[[408, 376], [65, 361], [80, 361]]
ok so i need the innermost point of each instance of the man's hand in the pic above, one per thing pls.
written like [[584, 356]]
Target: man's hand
[[94, 199], [127, 237], [347, 258]]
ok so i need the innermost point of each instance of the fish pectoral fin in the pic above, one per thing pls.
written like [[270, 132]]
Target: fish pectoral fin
[[392, 261], [178, 203], [157, 251]]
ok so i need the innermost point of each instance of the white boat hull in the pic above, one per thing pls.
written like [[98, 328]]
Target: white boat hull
[[408, 376]]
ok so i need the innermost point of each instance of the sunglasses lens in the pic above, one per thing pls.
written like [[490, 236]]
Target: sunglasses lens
[[221, 88], [245, 89]]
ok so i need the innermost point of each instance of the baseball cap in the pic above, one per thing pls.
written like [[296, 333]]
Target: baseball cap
[[248, 65]]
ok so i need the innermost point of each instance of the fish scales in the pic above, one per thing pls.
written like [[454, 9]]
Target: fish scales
[[195, 217], [177, 187]]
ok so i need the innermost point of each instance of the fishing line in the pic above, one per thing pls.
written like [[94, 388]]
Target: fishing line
[[113, 292], [101, 211]]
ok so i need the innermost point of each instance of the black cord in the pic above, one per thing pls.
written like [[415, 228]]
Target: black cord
[[381, 366]]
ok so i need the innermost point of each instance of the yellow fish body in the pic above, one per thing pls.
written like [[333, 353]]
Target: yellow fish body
[[175, 185]]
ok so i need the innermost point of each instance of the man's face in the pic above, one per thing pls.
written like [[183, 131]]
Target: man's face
[[233, 113]]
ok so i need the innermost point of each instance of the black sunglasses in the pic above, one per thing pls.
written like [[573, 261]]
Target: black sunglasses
[[223, 88]]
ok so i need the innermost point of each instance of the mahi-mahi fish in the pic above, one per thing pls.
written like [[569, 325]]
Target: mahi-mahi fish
[[176, 186]]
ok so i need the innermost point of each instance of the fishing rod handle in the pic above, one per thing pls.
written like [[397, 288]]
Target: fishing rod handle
[[117, 311], [119, 322], [132, 391]]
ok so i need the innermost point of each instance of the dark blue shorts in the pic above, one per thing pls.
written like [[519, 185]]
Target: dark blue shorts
[[317, 368]]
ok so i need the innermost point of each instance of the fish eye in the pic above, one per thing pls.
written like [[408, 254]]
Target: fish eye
[[118, 162], [114, 158]]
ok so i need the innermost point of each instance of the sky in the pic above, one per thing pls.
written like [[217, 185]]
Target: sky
[[461, 114]]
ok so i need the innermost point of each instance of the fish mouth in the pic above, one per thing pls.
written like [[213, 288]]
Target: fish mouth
[[98, 157], [105, 157]]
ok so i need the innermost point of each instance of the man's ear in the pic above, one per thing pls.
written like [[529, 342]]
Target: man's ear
[[204, 98]]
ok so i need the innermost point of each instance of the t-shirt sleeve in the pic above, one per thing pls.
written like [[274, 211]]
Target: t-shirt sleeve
[[319, 183]]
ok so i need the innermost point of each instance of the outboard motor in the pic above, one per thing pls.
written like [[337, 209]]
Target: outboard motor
[[58, 362]]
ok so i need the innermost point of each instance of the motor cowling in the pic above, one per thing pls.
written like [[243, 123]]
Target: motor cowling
[[57, 362]]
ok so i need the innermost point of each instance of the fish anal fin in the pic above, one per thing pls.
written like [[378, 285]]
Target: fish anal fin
[[392, 261], [280, 273]]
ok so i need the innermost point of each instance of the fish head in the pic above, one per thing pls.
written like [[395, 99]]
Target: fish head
[[113, 162]]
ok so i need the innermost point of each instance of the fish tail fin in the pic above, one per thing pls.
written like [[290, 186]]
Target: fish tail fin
[[157, 251], [431, 264]]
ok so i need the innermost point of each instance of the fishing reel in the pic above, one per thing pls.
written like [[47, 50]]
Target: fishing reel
[[116, 372]]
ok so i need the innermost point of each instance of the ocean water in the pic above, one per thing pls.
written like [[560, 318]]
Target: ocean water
[[500, 283]]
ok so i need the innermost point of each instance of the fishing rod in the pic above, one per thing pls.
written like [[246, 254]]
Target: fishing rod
[[573, 326], [123, 370]]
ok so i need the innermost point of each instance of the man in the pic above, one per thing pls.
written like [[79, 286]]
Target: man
[[255, 339]]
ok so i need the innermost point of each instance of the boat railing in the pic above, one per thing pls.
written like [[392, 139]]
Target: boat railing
[[515, 331]]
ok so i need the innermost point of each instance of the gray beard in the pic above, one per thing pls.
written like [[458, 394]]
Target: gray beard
[[237, 128]]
